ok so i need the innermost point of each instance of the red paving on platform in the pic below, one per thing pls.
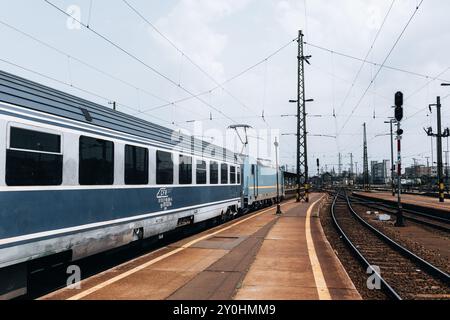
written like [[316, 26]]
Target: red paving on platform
[[259, 257]]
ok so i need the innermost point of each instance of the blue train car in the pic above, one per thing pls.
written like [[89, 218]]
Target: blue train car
[[260, 183], [77, 178]]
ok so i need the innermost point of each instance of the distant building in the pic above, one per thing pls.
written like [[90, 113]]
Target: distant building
[[420, 171], [380, 172]]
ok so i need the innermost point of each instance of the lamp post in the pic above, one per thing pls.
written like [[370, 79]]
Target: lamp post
[[278, 183]]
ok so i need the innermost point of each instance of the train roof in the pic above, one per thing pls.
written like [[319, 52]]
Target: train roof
[[25, 93]]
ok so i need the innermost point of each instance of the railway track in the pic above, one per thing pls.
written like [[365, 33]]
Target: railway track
[[402, 274], [439, 223]]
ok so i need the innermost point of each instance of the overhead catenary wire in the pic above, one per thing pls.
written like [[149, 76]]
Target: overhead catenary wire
[[384, 62], [184, 54], [188, 58], [156, 71], [137, 59], [345, 55], [84, 63], [72, 85], [231, 79], [420, 89], [430, 79], [138, 89], [363, 62], [414, 92], [90, 13]]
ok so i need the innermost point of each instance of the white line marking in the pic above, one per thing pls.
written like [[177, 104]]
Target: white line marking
[[164, 256], [322, 288]]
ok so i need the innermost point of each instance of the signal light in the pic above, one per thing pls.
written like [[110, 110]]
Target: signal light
[[399, 99], [398, 113], [400, 132], [399, 106]]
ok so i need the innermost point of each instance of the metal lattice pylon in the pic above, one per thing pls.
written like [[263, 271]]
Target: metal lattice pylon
[[302, 150]]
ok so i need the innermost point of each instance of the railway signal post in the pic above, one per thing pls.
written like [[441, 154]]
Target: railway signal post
[[399, 116]]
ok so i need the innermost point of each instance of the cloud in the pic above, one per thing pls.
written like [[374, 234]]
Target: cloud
[[191, 26]]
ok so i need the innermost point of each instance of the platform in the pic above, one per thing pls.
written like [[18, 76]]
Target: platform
[[411, 200], [259, 256]]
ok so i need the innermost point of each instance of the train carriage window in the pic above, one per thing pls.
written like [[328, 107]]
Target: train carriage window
[[34, 158], [201, 172], [224, 173], [34, 140], [214, 173], [185, 170], [96, 162], [164, 167], [232, 174], [136, 165]]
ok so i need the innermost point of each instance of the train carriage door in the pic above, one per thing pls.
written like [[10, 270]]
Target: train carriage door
[[255, 180]]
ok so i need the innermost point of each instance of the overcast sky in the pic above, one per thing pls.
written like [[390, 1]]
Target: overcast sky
[[224, 38]]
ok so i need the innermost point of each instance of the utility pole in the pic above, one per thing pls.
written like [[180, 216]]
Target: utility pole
[[302, 150], [366, 163], [439, 137]]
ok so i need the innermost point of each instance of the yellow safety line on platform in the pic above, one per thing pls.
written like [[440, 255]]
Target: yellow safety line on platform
[[322, 288], [121, 276]]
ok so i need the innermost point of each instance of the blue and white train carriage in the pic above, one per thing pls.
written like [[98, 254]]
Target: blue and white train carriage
[[259, 186], [79, 178]]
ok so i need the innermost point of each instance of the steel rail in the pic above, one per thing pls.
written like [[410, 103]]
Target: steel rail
[[430, 268], [386, 208], [414, 212], [387, 288]]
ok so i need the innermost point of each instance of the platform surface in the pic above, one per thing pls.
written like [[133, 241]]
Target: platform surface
[[417, 200], [259, 257]]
